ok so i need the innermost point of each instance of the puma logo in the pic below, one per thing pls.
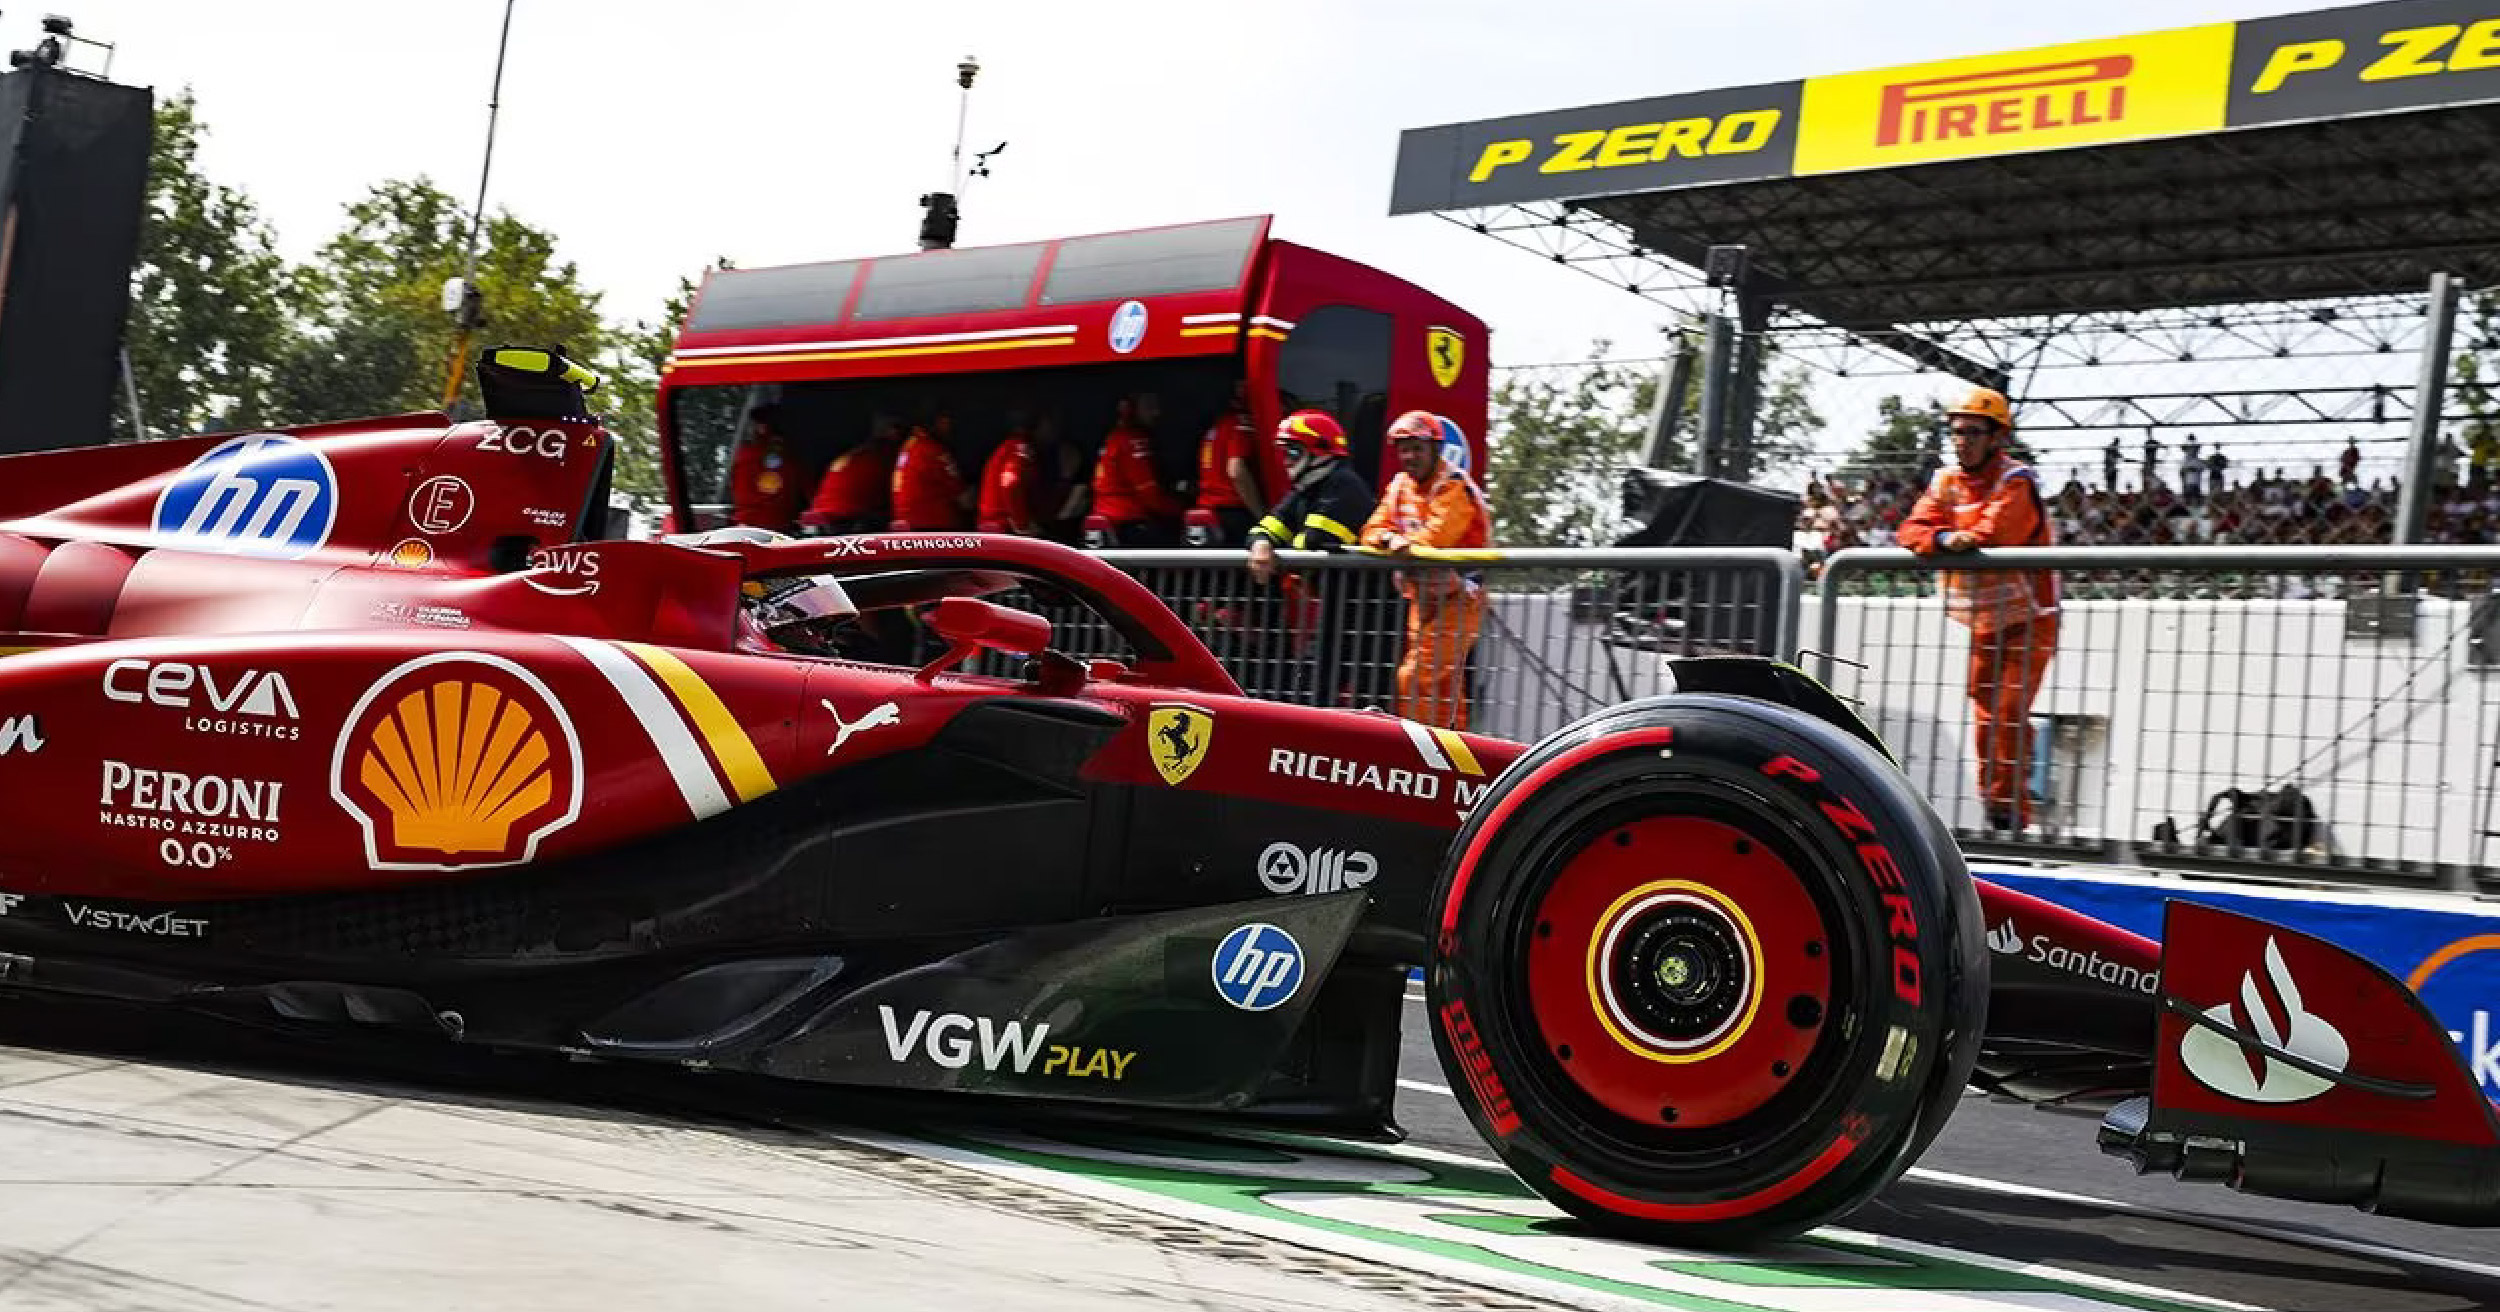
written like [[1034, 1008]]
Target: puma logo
[[886, 713]]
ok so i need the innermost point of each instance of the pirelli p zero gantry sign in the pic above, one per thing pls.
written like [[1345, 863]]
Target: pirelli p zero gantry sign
[[2401, 55]]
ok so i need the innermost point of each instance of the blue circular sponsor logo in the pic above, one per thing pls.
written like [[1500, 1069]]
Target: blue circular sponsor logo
[[1258, 967], [1454, 452], [265, 494], [1128, 326]]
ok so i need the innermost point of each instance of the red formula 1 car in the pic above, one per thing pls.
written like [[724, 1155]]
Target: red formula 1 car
[[351, 727]]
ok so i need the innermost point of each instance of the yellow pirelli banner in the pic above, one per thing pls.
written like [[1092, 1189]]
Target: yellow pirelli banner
[[2393, 57], [2160, 84]]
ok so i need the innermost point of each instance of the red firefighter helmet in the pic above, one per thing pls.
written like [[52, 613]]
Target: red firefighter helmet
[[1315, 431]]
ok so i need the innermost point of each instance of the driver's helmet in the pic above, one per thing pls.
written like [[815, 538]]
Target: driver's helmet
[[796, 603], [796, 612], [742, 534]]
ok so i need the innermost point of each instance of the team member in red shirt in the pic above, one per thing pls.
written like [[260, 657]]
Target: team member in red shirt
[[1141, 511], [852, 496], [928, 488], [763, 488], [1228, 475], [1007, 487], [1993, 500]]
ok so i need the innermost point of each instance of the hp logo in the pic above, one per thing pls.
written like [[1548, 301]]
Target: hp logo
[[261, 495], [1258, 967], [1128, 326]]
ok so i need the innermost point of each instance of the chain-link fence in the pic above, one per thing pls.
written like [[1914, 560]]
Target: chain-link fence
[[1515, 647], [2309, 710], [2320, 713]]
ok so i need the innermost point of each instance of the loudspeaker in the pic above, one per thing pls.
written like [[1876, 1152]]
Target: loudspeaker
[[73, 182]]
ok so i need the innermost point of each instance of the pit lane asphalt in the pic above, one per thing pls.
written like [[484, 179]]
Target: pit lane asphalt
[[2191, 1238], [2199, 1239]]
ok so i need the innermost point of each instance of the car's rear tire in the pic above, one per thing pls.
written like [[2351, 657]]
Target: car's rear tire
[[1706, 970]]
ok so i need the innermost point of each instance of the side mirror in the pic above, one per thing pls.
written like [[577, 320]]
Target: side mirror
[[971, 626]]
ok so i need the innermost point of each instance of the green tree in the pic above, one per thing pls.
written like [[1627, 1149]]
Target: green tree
[[1561, 438], [2473, 379], [628, 398], [208, 298], [1785, 421], [1563, 435], [1904, 437], [376, 340]]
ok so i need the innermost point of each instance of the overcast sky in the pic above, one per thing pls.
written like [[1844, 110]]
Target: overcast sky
[[652, 137]]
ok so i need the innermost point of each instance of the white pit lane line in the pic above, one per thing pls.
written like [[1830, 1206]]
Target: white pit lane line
[[2232, 1225], [2079, 1289]]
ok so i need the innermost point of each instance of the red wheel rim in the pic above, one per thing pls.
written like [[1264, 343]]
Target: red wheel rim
[[1679, 971]]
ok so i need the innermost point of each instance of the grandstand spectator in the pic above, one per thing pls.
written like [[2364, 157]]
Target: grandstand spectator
[[1432, 505], [2110, 457], [2349, 465], [1992, 500], [2217, 466], [2152, 460], [2444, 464]]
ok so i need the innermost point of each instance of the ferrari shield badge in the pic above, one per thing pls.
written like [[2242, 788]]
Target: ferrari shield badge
[[1448, 351], [1177, 738]]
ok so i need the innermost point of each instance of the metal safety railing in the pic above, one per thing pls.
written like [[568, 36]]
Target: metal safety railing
[[1516, 645], [2322, 714], [2317, 712]]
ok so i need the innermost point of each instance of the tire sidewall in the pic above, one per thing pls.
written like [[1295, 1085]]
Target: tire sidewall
[[1897, 1049]]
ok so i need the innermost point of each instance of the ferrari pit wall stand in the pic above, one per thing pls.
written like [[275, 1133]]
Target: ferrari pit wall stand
[[354, 728]]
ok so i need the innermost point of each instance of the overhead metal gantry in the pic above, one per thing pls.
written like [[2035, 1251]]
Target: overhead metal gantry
[[2285, 182]]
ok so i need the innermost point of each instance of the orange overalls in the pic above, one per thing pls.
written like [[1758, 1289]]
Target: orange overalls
[[928, 489], [851, 497], [761, 489], [1444, 608], [1126, 490], [1007, 488], [2012, 616]]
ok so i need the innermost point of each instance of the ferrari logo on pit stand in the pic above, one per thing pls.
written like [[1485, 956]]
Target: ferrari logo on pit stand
[[1447, 351], [1177, 739]]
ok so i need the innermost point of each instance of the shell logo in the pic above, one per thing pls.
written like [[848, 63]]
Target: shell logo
[[457, 761]]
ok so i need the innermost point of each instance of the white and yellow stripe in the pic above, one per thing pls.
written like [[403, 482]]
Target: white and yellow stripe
[[1443, 749], [1211, 325], [688, 724], [875, 348], [1270, 327]]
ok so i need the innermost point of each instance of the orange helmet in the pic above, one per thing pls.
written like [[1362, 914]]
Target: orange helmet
[[1316, 431], [1986, 403], [1416, 426]]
